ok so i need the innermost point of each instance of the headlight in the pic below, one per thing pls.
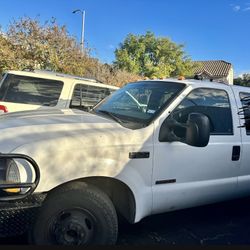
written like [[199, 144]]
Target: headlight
[[12, 175], [12, 172], [19, 176]]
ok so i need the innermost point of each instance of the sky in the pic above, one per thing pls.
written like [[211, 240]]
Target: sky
[[209, 29]]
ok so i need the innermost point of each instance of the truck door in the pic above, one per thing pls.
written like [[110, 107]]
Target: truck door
[[242, 96], [186, 176]]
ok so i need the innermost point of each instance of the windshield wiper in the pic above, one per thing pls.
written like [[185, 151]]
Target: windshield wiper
[[110, 114]]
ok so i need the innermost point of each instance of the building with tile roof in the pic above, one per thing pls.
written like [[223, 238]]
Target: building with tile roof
[[215, 70]]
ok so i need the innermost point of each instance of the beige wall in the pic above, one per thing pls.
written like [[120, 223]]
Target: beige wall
[[230, 78]]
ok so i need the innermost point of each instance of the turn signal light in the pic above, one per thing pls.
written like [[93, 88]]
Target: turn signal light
[[181, 78]]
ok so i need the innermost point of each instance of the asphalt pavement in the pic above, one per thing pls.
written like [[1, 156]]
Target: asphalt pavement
[[220, 224]]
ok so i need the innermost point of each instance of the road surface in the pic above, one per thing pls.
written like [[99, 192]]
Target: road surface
[[225, 223]]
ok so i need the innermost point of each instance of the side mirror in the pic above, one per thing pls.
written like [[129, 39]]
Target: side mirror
[[195, 132]]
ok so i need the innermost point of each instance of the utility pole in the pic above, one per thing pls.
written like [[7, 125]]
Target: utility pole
[[83, 23]]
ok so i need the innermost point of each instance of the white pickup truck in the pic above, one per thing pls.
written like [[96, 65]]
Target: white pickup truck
[[151, 147]]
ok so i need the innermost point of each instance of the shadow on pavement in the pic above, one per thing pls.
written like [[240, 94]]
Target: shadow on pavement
[[225, 223]]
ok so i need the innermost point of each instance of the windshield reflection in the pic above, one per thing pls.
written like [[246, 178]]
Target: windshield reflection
[[137, 104]]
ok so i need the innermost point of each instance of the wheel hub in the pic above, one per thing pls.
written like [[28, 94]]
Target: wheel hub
[[73, 227]]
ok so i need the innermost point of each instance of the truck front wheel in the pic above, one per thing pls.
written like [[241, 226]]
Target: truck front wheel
[[76, 214]]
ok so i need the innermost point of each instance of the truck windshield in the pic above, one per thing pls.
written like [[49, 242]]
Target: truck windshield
[[30, 90], [137, 104]]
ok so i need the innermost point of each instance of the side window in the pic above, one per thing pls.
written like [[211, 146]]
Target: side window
[[245, 100], [86, 96], [214, 103], [30, 90]]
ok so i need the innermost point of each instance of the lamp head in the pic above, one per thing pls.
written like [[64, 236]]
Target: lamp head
[[75, 11]]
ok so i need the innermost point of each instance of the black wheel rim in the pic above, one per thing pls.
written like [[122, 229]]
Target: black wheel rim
[[74, 226]]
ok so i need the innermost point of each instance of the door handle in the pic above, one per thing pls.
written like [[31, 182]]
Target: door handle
[[236, 153]]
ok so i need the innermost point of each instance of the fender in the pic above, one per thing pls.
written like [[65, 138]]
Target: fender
[[93, 161]]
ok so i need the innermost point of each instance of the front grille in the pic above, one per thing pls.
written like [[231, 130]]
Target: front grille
[[16, 217]]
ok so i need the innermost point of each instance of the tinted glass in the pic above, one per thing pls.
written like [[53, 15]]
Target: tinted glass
[[30, 90], [212, 102], [140, 102]]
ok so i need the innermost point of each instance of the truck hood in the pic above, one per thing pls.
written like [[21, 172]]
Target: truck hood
[[70, 145], [50, 117], [27, 127]]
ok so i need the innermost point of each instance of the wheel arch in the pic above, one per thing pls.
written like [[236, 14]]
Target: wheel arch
[[119, 193]]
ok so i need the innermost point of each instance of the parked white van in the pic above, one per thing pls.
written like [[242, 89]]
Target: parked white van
[[24, 90], [151, 147]]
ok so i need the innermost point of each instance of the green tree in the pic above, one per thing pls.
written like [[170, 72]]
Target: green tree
[[7, 55], [30, 44], [243, 81], [150, 56], [109, 74]]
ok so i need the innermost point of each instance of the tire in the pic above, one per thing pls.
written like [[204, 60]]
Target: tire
[[76, 214]]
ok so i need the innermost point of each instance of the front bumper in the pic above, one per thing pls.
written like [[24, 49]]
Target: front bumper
[[18, 216]]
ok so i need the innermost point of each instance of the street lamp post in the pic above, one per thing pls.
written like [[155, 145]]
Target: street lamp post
[[83, 20]]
